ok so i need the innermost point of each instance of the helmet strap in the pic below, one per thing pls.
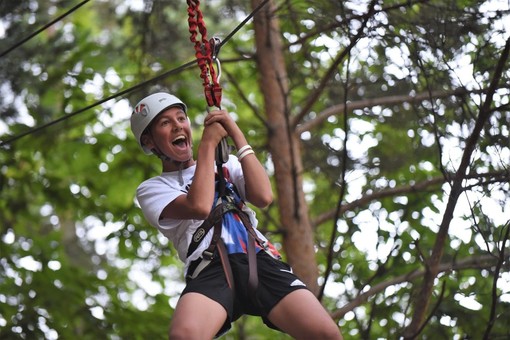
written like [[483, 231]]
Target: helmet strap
[[160, 155], [165, 158]]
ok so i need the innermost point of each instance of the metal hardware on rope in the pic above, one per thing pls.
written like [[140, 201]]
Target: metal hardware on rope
[[205, 51], [222, 151]]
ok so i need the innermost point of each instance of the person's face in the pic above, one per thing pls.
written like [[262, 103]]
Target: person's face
[[170, 132]]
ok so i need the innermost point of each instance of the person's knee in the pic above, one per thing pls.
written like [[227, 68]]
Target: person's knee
[[188, 331], [323, 334], [178, 333], [332, 333], [183, 332], [324, 331]]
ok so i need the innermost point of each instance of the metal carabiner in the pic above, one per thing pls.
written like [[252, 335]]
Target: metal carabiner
[[215, 44]]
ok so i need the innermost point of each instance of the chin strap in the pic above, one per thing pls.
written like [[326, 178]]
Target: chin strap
[[165, 158], [181, 179]]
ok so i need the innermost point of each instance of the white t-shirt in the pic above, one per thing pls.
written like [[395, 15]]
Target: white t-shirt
[[156, 193]]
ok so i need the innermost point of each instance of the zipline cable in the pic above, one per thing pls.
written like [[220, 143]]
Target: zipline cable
[[251, 15], [61, 119], [18, 44], [131, 89]]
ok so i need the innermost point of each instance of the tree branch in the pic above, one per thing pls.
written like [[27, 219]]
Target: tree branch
[[314, 96], [490, 177], [377, 195], [423, 298], [478, 262], [501, 260], [383, 101], [420, 186]]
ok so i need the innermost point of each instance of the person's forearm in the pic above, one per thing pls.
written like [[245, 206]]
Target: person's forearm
[[200, 196], [258, 186]]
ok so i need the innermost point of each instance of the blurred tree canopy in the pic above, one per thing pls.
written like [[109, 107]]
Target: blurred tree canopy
[[384, 125]]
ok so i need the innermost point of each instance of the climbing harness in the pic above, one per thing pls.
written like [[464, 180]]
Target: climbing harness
[[226, 204], [206, 53]]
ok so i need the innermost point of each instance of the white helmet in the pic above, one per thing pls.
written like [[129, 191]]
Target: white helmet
[[147, 109]]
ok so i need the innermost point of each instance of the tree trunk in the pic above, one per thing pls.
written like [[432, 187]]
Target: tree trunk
[[284, 146]]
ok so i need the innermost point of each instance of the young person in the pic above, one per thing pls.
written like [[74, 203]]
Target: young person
[[214, 231]]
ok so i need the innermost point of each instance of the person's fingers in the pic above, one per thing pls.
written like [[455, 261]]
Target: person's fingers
[[215, 131], [216, 116]]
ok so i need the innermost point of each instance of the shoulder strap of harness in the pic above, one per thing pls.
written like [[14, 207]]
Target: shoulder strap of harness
[[214, 218]]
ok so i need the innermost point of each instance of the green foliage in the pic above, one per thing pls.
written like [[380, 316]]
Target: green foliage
[[78, 259]]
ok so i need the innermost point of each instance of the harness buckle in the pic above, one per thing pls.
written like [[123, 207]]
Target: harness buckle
[[207, 255]]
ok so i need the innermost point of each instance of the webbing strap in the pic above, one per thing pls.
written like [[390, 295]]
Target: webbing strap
[[222, 182], [251, 232], [212, 220], [215, 238], [253, 275], [227, 269]]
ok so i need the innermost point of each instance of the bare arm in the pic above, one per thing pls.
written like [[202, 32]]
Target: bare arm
[[258, 187]]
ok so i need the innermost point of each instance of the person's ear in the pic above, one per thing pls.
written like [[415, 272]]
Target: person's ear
[[147, 141]]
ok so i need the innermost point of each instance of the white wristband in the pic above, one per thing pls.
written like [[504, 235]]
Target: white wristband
[[245, 153], [241, 150]]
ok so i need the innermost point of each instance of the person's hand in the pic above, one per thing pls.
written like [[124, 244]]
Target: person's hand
[[213, 132], [222, 117]]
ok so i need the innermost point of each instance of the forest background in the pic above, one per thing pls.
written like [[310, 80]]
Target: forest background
[[383, 124]]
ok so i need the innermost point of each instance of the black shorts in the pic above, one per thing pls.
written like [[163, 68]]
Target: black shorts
[[276, 280]]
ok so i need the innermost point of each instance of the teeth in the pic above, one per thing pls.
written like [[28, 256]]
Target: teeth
[[179, 138]]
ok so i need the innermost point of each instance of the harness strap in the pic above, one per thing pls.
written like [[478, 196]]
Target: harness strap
[[226, 265], [249, 228], [214, 217], [222, 182], [209, 252], [253, 275]]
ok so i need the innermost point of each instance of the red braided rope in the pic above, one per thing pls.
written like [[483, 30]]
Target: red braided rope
[[203, 53]]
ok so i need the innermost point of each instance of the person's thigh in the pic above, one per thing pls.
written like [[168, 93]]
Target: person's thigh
[[302, 316], [196, 317]]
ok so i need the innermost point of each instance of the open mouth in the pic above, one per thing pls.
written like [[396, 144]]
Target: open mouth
[[179, 141]]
